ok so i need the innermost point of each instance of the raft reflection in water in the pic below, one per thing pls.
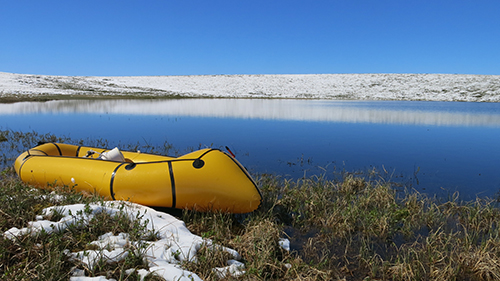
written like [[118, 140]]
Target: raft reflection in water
[[204, 180]]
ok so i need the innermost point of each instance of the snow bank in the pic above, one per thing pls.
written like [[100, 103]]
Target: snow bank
[[430, 87], [175, 242]]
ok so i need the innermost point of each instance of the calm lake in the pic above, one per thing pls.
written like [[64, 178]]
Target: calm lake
[[432, 147]]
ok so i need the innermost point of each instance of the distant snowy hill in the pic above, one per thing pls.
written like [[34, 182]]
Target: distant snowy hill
[[429, 87]]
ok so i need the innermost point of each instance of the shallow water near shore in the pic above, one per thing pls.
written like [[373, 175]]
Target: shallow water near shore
[[433, 147]]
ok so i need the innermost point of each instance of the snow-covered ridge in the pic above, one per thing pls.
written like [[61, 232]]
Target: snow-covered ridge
[[429, 87]]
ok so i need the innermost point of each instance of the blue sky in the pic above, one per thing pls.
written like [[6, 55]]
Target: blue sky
[[187, 37]]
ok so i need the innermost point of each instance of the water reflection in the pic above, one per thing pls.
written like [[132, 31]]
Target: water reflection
[[381, 112]]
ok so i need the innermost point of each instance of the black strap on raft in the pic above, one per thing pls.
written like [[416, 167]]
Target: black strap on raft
[[172, 182], [113, 180], [58, 149]]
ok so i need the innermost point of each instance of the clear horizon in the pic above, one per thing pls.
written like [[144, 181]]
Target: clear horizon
[[157, 38]]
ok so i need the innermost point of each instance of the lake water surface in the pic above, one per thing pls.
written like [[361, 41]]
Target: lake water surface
[[434, 147]]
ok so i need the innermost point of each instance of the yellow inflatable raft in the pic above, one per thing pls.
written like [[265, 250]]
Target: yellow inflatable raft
[[204, 180]]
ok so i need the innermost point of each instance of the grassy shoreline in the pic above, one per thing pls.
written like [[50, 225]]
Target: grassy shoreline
[[352, 229], [13, 98]]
